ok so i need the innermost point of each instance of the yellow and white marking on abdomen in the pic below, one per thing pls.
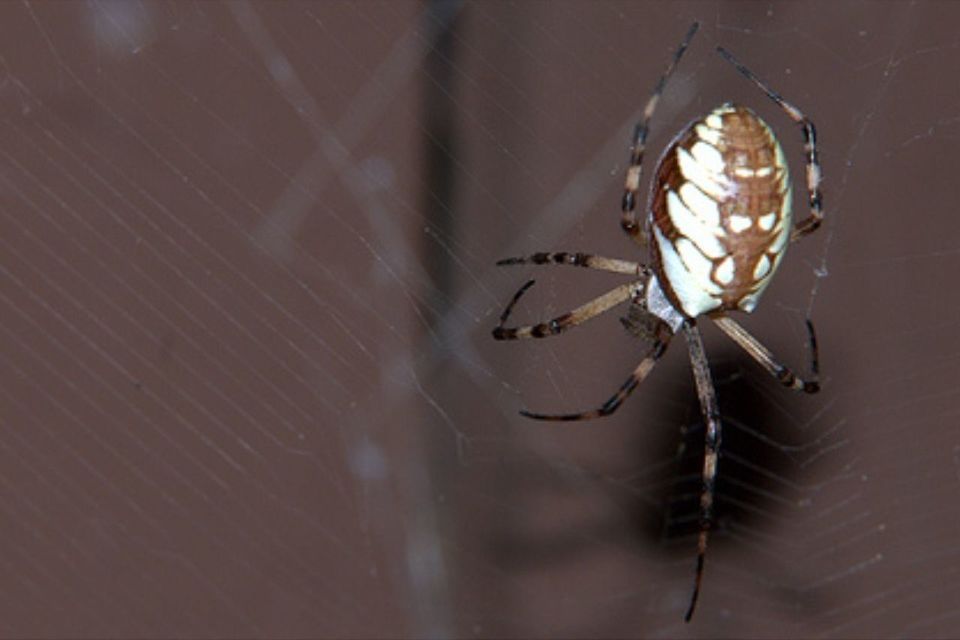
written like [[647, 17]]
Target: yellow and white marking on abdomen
[[720, 212]]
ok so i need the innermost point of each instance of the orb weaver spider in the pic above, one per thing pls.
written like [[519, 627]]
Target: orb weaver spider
[[721, 220]]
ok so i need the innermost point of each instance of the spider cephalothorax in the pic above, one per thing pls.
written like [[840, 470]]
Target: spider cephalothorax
[[719, 221]]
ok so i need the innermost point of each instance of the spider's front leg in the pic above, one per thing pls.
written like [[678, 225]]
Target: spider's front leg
[[711, 416], [646, 365], [766, 359]]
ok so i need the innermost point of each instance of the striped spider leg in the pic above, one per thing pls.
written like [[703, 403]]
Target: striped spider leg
[[814, 174], [628, 205], [718, 223], [632, 291]]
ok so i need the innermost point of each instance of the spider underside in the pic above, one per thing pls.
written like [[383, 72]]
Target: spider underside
[[719, 222]]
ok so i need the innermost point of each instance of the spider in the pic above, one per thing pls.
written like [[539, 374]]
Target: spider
[[720, 216]]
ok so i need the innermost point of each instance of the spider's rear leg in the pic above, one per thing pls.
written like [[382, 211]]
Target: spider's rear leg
[[814, 173], [629, 221]]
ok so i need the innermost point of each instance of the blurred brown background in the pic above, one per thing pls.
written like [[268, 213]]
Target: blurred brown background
[[247, 286]]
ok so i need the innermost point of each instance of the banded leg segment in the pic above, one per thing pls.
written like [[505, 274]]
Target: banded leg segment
[[814, 174], [711, 417], [585, 260], [766, 358], [646, 365], [566, 321], [628, 218]]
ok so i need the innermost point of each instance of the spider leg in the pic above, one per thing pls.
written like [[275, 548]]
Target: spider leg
[[814, 174], [628, 218], [578, 259], [711, 416], [566, 321], [767, 360], [646, 365]]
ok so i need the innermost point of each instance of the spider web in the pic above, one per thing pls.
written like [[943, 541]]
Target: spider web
[[248, 283]]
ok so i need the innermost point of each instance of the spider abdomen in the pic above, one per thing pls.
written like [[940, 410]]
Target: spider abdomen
[[720, 217], [720, 212]]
